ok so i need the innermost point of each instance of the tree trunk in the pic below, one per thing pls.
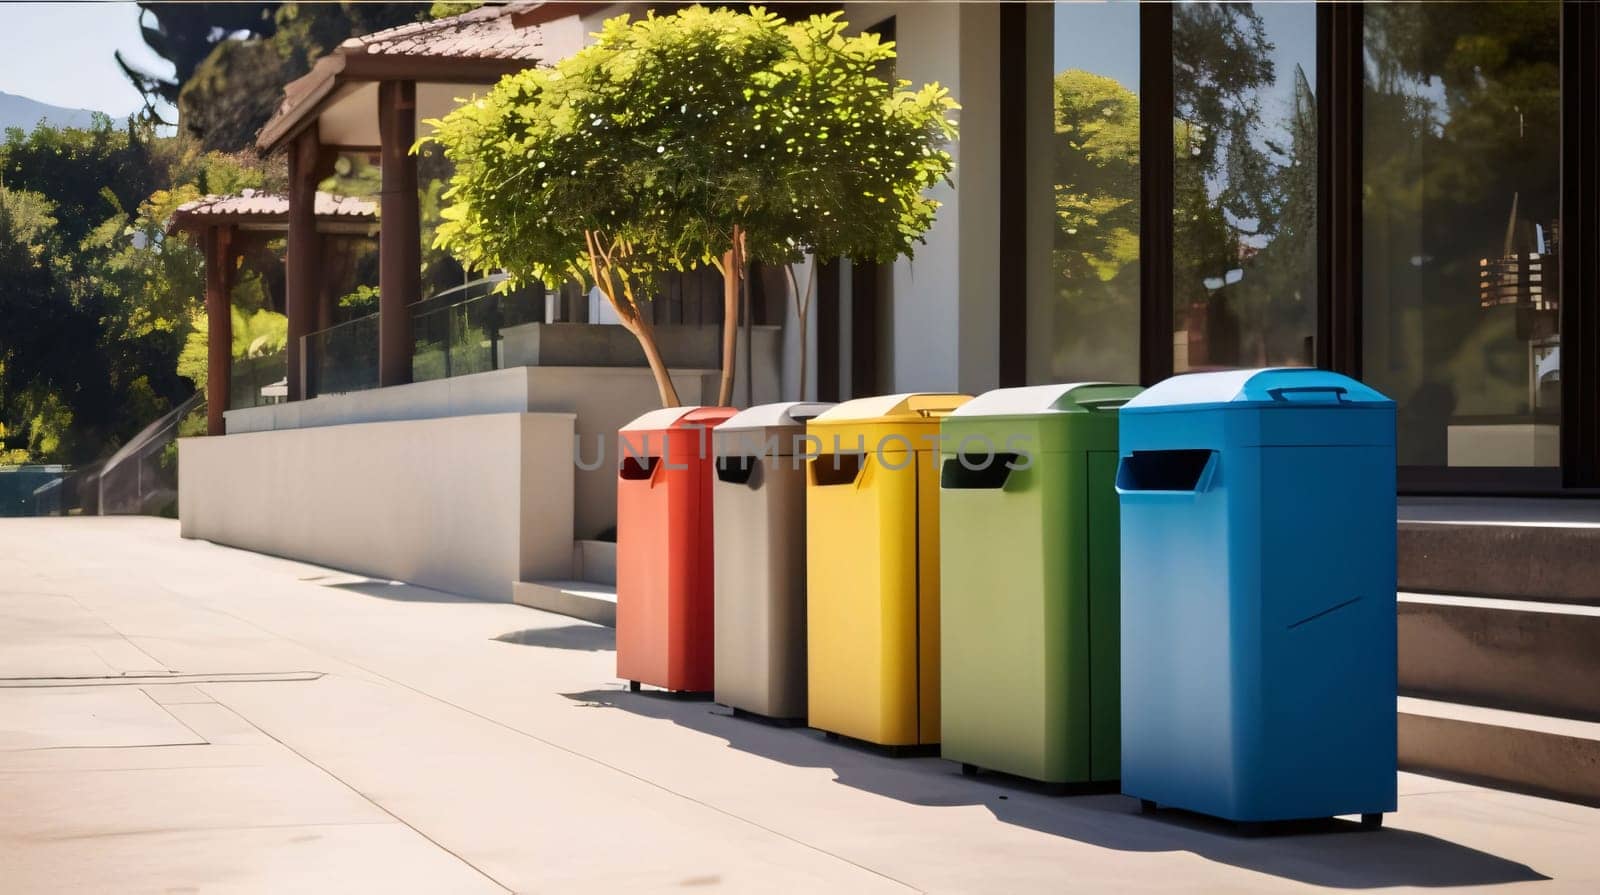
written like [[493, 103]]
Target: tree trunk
[[732, 273], [802, 309], [645, 333], [631, 316]]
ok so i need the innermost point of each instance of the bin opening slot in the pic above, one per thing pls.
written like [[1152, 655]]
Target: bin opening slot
[[1310, 394], [976, 470], [1103, 403], [835, 469], [736, 470], [638, 468], [1180, 470]]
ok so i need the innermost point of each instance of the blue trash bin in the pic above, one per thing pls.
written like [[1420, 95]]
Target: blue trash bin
[[1258, 596]]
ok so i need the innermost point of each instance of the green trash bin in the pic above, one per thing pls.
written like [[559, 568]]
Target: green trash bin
[[1029, 569]]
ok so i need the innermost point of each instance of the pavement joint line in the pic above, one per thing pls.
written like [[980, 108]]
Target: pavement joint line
[[203, 742], [161, 831], [369, 799], [568, 750], [167, 710], [141, 678], [114, 630]]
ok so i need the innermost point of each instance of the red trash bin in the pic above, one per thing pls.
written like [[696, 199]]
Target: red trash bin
[[664, 541]]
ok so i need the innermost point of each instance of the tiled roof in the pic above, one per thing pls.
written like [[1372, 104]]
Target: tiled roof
[[263, 207], [476, 46], [487, 32]]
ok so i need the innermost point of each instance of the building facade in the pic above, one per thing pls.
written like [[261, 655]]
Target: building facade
[[1402, 192]]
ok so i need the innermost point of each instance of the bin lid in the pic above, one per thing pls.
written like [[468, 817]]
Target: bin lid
[[772, 416], [677, 417], [909, 406], [1271, 387], [1037, 400]]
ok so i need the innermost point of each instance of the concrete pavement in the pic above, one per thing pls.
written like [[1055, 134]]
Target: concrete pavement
[[177, 716]]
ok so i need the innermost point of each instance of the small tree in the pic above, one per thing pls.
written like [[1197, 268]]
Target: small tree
[[858, 152], [704, 137]]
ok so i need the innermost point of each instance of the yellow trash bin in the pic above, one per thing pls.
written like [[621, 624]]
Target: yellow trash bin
[[872, 568]]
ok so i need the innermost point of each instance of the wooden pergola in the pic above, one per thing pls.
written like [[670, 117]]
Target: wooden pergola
[[226, 228], [368, 97]]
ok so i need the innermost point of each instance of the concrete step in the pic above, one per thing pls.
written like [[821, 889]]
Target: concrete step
[[1547, 550], [595, 561], [1538, 754], [1520, 655], [588, 600]]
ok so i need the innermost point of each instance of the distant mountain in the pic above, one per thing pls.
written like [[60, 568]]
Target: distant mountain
[[19, 111]]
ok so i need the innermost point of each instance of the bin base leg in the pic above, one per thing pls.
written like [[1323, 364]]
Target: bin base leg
[[1371, 821], [634, 686], [768, 719], [969, 770], [831, 736], [1148, 806]]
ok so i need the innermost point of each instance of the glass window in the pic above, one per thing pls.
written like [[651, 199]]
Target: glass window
[[1245, 185], [1084, 322], [1462, 165]]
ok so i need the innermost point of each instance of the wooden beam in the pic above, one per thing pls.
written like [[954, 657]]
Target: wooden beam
[[399, 230], [303, 256], [219, 254]]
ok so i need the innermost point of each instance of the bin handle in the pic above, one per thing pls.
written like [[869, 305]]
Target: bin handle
[[1337, 391], [1103, 403]]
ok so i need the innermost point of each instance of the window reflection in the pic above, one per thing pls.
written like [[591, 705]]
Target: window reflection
[[1087, 320], [1245, 184], [1461, 228]]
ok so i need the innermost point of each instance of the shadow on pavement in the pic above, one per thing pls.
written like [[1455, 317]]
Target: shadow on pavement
[[1335, 855], [396, 590], [584, 638]]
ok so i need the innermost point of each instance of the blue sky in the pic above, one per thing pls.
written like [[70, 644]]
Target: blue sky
[[60, 53]]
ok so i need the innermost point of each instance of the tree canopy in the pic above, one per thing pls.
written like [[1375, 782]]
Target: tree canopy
[[672, 138]]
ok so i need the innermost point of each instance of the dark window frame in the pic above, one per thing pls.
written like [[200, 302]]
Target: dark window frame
[[1340, 67]]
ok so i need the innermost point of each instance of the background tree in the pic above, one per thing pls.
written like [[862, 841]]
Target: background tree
[[231, 60], [95, 301], [704, 137], [1244, 182], [184, 34], [1095, 153]]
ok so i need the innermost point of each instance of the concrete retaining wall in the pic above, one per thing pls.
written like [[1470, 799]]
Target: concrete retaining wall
[[603, 398], [465, 504]]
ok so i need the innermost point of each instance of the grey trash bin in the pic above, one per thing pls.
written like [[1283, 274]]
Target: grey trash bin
[[759, 508]]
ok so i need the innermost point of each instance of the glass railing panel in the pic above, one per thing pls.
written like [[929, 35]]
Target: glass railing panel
[[257, 380], [343, 358]]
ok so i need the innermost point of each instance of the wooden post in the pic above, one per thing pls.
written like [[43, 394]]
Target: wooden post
[[400, 230], [219, 326], [303, 256]]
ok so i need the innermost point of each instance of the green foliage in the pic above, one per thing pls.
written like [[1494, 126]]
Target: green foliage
[[98, 300], [443, 9], [85, 173], [1096, 154], [1095, 157], [364, 300], [256, 333], [669, 132]]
